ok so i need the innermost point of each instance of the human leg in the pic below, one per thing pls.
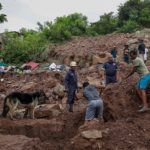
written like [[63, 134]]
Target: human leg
[[70, 100], [142, 86], [90, 111], [99, 109], [107, 80], [113, 79], [144, 98], [139, 93]]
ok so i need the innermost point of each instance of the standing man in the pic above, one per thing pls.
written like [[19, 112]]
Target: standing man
[[114, 53], [140, 67], [110, 70], [71, 85], [126, 53], [141, 49], [95, 106]]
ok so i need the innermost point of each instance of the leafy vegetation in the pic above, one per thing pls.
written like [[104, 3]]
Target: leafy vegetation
[[28, 44], [2, 16], [64, 27], [23, 47]]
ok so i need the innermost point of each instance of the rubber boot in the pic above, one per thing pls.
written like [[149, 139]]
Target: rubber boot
[[67, 107], [70, 107]]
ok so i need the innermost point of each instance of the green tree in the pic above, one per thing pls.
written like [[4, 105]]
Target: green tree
[[106, 24], [129, 27], [23, 47], [129, 10], [135, 10], [2, 16], [63, 28], [144, 18]]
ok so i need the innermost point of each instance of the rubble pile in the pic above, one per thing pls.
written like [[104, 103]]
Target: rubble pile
[[54, 128]]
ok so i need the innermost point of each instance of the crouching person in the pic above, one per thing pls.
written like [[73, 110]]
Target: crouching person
[[95, 106]]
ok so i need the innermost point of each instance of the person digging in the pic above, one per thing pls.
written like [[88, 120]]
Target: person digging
[[140, 67], [95, 107]]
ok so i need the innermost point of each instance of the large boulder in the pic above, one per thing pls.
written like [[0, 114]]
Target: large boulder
[[145, 33], [101, 58], [28, 86], [59, 90], [48, 111], [89, 137], [92, 134]]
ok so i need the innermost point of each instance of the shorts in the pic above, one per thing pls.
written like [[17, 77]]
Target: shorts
[[144, 81], [94, 109]]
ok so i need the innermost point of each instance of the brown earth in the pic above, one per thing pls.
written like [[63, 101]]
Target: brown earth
[[55, 129]]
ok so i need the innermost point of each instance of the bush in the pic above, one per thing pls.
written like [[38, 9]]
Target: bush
[[19, 49], [129, 27], [64, 27]]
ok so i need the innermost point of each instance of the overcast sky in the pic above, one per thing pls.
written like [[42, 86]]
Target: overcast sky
[[26, 13]]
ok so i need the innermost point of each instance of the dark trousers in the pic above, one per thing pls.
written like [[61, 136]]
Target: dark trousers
[[111, 79], [71, 96], [126, 58]]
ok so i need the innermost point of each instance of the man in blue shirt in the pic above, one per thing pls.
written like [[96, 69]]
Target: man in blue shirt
[[114, 53], [71, 85], [110, 70], [95, 106]]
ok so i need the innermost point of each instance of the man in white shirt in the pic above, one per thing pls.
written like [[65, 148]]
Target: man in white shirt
[[145, 55]]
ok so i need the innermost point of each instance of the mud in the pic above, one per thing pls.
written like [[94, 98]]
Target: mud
[[55, 129]]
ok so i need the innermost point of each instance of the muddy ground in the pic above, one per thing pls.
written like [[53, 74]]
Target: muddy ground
[[55, 129]]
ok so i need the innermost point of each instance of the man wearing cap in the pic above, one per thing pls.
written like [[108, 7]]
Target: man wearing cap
[[71, 85]]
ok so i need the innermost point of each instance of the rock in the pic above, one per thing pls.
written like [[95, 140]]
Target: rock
[[18, 142], [79, 95], [102, 58], [95, 82], [59, 90], [133, 41], [145, 33], [79, 85], [48, 111], [2, 96], [92, 134], [63, 103], [28, 86], [51, 83]]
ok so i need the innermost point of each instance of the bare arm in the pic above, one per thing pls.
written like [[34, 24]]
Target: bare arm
[[131, 72]]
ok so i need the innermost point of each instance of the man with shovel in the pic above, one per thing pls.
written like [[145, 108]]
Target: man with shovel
[[140, 67]]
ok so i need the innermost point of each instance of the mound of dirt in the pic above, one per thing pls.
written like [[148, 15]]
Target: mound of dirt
[[121, 97], [19, 142]]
